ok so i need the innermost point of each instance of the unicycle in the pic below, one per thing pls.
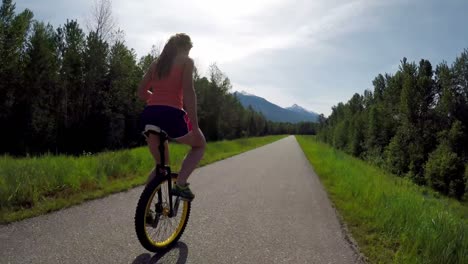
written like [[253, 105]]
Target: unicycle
[[161, 218]]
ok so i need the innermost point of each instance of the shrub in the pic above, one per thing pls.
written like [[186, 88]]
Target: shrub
[[444, 171]]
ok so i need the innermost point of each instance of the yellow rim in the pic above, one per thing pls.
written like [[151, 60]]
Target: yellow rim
[[179, 227]]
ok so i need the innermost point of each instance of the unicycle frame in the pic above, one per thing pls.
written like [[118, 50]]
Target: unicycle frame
[[164, 171], [164, 206]]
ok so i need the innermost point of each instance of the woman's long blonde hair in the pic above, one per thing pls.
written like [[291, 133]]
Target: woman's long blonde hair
[[165, 60]]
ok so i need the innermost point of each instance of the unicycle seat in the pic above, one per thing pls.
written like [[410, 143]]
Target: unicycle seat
[[152, 129]]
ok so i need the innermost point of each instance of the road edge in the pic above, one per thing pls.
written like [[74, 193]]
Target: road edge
[[360, 258]]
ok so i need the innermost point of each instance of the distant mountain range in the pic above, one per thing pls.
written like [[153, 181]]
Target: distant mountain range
[[293, 114]]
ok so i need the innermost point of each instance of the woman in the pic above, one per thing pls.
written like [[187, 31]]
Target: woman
[[166, 88]]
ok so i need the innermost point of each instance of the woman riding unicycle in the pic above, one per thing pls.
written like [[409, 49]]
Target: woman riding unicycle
[[170, 112]]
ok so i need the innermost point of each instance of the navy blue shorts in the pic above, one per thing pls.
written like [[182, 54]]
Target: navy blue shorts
[[173, 121]]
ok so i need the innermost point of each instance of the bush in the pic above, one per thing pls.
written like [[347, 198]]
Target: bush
[[444, 171], [396, 155], [340, 135]]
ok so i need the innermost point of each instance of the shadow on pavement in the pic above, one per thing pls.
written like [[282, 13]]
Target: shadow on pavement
[[181, 247]]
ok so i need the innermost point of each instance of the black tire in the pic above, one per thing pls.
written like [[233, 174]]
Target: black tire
[[140, 216]]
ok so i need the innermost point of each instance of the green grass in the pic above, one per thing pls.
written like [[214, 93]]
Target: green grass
[[33, 186], [392, 219]]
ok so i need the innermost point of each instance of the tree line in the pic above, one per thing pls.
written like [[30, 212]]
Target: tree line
[[66, 90], [414, 123]]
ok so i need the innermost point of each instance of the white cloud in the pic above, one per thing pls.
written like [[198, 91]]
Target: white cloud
[[222, 31]]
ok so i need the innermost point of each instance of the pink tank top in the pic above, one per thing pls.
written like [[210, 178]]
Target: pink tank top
[[168, 91]]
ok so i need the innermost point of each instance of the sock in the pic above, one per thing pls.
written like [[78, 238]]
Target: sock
[[182, 186]]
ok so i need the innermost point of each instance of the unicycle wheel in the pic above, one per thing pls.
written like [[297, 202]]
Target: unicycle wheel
[[156, 229]]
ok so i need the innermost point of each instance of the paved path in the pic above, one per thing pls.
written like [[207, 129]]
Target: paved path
[[263, 206]]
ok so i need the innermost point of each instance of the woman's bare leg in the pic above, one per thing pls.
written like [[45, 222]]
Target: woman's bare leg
[[194, 156]]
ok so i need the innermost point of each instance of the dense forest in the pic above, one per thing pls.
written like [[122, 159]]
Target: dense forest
[[70, 90], [414, 124]]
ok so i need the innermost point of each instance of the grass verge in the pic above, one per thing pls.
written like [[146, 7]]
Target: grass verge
[[392, 219], [37, 185]]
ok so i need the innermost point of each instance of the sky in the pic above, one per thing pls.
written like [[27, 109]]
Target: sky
[[314, 53]]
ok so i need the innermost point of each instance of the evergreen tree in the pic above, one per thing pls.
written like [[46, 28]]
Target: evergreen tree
[[120, 100], [41, 83], [13, 33], [72, 91]]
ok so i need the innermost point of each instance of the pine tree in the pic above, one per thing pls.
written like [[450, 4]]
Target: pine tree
[[13, 34], [41, 79], [71, 44]]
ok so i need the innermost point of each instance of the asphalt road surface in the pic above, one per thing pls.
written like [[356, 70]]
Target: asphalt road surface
[[263, 206]]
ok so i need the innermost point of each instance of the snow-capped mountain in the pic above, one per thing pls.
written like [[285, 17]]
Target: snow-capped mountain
[[300, 109], [293, 114]]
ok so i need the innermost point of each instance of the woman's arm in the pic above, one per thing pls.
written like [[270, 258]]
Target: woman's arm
[[190, 98], [143, 92]]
